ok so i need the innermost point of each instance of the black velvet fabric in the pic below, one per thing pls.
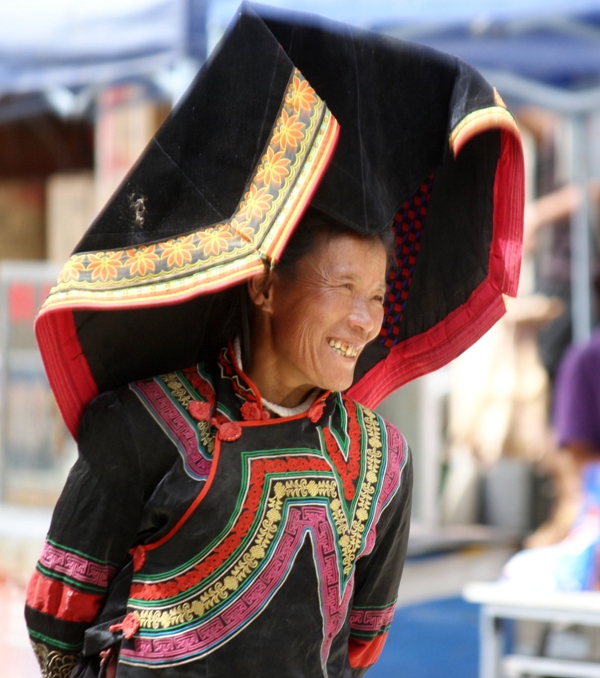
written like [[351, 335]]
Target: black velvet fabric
[[133, 471], [195, 170], [454, 256], [391, 99], [396, 104]]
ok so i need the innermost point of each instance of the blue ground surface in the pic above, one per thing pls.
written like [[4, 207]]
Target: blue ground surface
[[436, 639]]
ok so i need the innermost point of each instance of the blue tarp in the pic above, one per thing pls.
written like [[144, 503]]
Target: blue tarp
[[556, 42], [380, 13], [50, 51], [75, 44]]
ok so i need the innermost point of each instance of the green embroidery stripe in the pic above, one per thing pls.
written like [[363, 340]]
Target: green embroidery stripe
[[224, 410], [56, 643], [166, 576], [218, 606], [203, 372], [342, 441], [74, 583], [375, 607], [370, 636], [188, 387], [80, 553]]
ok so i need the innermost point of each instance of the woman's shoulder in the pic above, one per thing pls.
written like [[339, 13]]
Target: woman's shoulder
[[126, 399], [373, 416], [379, 430]]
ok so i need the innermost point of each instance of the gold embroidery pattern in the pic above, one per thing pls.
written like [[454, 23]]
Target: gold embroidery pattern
[[303, 133], [54, 664], [351, 537], [184, 397]]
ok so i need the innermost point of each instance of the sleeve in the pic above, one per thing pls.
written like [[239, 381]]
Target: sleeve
[[378, 574], [576, 398], [93, 526]]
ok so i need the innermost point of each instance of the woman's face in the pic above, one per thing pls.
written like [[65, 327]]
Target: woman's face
[[329, 309]]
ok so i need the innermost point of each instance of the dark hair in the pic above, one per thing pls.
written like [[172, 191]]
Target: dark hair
[[316, 227]]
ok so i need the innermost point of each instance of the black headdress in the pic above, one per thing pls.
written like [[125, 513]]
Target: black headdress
[[290, 110]]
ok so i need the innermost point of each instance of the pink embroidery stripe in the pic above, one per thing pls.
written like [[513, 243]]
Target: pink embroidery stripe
[[396, 458], [371, 621], [215, 631], [181, 431], [76, 567]]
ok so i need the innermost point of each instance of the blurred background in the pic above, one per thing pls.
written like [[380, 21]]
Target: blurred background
[[84, 86]]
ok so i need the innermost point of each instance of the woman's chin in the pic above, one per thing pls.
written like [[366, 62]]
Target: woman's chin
[[338, 382]]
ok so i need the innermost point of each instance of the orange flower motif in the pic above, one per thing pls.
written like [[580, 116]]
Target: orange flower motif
[[214, 240], [301, 96], [178, 251], [72, 269], [289, 131], [274, 168], [243, 229], [104, 265], [257, 202], [142, 260]]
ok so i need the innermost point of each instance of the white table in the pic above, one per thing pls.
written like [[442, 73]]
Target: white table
[[500, 602]]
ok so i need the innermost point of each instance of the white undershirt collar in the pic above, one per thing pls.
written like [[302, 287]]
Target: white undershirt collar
[[279, 410]]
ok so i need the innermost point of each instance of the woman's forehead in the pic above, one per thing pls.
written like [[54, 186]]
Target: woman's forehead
[[348, 255]]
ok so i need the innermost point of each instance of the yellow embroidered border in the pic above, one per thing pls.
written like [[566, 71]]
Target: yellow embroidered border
[[184, 397], [494, 117], [300, 144], [350, 537]]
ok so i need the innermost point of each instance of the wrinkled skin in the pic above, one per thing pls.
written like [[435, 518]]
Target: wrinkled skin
[[335, 293]]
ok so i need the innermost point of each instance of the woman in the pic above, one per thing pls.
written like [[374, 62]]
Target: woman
[[243, 511], [306, 573]]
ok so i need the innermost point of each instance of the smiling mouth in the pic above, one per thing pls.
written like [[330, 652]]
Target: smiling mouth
[[343, 349]]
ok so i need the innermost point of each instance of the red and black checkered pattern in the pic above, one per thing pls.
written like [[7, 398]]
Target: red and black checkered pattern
[[408, 227]]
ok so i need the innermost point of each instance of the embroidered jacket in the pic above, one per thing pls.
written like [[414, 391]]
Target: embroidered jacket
[[211, 539]]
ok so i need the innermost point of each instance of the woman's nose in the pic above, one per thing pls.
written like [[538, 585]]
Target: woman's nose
[[361, 316]]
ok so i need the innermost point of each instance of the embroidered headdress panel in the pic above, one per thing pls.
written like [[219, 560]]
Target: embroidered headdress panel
[[290, 110]]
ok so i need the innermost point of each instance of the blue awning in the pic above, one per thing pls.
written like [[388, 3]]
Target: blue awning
[[380, 13], [70, 44]]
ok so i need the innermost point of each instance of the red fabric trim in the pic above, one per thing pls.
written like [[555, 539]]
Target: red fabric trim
[[69, 374], [66, 365], [194, 504], [61, 601], [447, 340], [348, 469], [509, 204], [21, 302], [364, 653], [259, 468]]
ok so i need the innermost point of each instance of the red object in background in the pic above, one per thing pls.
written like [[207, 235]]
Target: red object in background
[[21, 302], [45, 291]]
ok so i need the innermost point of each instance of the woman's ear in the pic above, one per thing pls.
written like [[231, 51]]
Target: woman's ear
[[260, 290]]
